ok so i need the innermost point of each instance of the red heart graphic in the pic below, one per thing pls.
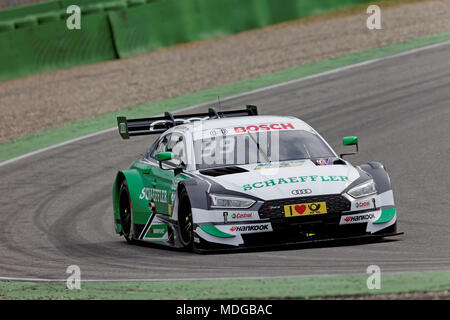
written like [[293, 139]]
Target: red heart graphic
[[300, 209]]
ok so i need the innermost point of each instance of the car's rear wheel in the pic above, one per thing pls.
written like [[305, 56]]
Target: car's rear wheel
[[185, 221], [125, 212]]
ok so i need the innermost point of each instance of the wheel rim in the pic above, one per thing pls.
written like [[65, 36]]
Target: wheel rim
[[125, 215], [186, 228]]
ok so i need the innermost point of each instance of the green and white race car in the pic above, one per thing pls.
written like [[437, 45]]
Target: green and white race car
[[233, 179]]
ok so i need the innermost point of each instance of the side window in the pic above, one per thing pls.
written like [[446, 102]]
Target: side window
[[161, 146], [177, 147]]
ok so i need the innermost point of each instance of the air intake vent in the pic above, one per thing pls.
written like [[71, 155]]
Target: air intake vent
[[222, 171]]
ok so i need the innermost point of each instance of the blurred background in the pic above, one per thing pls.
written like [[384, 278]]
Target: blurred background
[[132, 52]]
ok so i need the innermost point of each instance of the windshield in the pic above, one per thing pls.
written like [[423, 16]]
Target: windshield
[[260, 147]]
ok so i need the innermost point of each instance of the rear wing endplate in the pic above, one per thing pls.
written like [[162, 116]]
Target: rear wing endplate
[[157, 125]]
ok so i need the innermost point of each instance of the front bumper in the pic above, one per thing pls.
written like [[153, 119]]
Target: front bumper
[[204, 247], [341, 222], [279, 240]]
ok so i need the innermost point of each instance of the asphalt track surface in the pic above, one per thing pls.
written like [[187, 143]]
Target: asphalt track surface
[[56, 206]]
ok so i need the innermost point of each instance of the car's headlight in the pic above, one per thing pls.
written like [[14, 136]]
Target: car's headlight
[[364, 189], [219, 201]]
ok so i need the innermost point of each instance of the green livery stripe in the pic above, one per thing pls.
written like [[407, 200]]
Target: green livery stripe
[[386, 215], [212, 230]]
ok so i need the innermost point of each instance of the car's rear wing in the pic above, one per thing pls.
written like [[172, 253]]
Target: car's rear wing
[[157, 125]]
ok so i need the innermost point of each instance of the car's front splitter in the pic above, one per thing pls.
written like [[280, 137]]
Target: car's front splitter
[[208, 247]]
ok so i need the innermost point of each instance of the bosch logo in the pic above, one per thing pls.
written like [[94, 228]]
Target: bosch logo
[[265, 127], [298, 192]]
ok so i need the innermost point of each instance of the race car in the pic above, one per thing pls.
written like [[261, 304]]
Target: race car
[[236, 179]]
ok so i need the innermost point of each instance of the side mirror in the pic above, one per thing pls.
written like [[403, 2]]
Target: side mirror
[[350, 141], [164, 156]]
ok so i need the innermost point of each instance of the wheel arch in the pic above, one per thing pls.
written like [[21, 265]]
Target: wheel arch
[[135, 188], [379, 175], [197, 191]]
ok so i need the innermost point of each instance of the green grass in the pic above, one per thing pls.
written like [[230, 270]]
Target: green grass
[[281, 288], [63, 133]]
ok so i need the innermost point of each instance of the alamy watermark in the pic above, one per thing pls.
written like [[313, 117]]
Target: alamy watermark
[[73, 22], [73, 282], [374, 280], [374, 20]]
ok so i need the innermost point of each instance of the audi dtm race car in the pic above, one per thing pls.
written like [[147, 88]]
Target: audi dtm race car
[[233, 179]]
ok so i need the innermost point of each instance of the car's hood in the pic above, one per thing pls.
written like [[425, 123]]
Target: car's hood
[[289, 179]]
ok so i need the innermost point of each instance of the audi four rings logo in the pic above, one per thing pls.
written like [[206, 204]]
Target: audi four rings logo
[[298, 192]]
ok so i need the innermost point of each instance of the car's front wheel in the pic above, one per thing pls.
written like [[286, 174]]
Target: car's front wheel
[[185, 221]]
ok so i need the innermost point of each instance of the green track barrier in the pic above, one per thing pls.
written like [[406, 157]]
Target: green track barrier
[[49, 17], [45, 8], [169, 22], [124, 28], [95, 8], [52, 46], [26, 23], [32, 9], [81, 3], [6, 26], [133, 3], [310, 8], [116, 5]]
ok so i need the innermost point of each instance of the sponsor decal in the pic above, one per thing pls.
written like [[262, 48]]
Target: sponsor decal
[[298, 192], [264, 127], [251, 228], [362, 204], [357, 218], [243, 215], [305, 209], [321, 162], [157, 231], [157, 195], [288, 180], [283, 164]]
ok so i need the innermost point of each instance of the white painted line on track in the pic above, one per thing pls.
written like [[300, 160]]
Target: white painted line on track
[[314, 76]]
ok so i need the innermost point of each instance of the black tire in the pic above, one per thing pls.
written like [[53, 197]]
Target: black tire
[[125, 212], [185, 222]]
